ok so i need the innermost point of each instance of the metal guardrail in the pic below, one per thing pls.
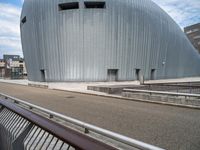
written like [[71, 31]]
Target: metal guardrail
[[162, 92], [192, 88], [175, 83], [88, 127], [27, 130]]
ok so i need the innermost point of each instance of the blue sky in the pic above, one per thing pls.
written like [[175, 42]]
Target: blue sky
[[14, 2], [184, 12]]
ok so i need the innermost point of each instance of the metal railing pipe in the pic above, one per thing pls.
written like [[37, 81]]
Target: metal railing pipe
[[162, 92]]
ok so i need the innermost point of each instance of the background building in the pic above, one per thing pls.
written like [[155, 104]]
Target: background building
[[80, 40], [2, 68], [12, 66], [193, 33]]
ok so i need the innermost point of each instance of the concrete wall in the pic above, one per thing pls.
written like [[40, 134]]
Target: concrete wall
[[182, 100]]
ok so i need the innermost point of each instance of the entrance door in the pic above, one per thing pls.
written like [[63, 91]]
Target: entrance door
[[112, 74], [152, 77], [137, 74], [42, 75]]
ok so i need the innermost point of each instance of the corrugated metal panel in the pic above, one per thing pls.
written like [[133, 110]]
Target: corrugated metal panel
[[81, 44]]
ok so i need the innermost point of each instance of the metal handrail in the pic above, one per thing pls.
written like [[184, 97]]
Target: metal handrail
[[72, 138], [89, 127], [162, 92], [172, 82]]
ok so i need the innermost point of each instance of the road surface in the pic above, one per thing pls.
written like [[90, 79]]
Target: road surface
[[168, 127]]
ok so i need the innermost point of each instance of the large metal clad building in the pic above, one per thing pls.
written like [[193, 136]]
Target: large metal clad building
[[81, 40]]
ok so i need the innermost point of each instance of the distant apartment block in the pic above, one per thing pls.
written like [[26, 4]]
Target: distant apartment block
[[12, 66], [193, 33]]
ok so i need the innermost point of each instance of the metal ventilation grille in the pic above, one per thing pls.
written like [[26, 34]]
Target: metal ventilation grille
[[67, 6], [95, 4]]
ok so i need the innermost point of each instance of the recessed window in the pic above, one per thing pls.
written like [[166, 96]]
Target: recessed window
[[197, 37], [23, 20], [112, 74], [95, 4], [67, 6], [195, 30], [188, 32]]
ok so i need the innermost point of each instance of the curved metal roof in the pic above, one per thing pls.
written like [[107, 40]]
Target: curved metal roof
[[81, 44]]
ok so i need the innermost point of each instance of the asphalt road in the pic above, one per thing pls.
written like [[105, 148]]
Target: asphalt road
[[168, 127]]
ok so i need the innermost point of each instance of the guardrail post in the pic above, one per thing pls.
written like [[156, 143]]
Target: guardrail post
[[50, 116], [16, 102], [1, 108], [18, 144], [86, 131]]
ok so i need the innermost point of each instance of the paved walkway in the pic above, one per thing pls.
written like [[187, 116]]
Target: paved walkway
[[20, 82], [82, 86]]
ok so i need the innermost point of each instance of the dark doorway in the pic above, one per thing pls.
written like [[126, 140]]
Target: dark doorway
[[42, 75], [112, 74], [152, 77], [137, 74]]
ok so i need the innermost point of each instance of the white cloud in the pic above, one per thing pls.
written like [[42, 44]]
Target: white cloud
[[9, 29], [185, 12]]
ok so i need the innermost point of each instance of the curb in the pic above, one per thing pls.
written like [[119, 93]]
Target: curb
[[132, 99]]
